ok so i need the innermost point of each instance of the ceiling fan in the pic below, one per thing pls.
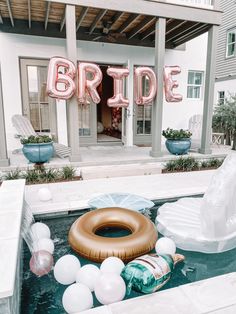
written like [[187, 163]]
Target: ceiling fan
[[108, 35]]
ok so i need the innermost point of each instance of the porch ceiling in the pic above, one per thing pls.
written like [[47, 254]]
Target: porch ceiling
[[42, 18]]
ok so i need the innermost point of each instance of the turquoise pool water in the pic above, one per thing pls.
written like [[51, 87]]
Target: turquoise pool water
[[44, 295]]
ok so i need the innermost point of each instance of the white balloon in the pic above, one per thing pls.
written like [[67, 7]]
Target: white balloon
[[39, 230], [44, 195], [44, 244], [165, 246], [66, 268], [110, 288], [77, 298], [112, 264], [88, 275]]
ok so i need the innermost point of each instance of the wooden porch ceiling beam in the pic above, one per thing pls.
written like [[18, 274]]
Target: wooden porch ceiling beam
[[116, 17], [10, 13], [29, 12], [47, 15], [148, 20], [193, 34], [81, 17], [181, 31], [174, 25], [147, 33], [63, 20], [97, 20], [153, 8], [127, 23]]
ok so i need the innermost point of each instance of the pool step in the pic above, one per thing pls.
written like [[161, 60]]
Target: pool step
[[125, 170]]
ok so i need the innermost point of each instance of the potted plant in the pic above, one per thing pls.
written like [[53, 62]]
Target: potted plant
[[178, 142], [38, 149]]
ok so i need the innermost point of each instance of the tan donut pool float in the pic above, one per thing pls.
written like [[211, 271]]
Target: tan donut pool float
[[83, 238]]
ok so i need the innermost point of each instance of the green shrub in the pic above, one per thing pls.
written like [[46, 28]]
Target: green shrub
[[214, 162], [12, 175], [36, 139], [68, 173], [49, 175], [171, 134], [31, 176]]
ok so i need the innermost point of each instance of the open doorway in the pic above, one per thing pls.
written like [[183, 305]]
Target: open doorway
[[109, 120]]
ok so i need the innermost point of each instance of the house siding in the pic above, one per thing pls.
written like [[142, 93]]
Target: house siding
[[226, 67]]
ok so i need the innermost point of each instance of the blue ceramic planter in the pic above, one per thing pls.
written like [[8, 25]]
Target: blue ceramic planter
[[178, 147], [38, 153]]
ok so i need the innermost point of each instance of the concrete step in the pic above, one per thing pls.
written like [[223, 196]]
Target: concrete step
[[124, 170]]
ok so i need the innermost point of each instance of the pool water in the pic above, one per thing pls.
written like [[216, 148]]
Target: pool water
[[44, 295]]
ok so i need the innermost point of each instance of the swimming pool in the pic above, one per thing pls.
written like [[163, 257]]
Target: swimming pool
[[44, 295]]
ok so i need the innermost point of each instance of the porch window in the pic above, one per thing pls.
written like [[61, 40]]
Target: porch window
[[38, 99], [144, 113], [221, 97], [194, 89], [37, 106], [231, 43]]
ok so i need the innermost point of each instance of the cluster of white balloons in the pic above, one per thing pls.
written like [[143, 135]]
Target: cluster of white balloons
[[106, 282], [41, 261], [165, 246]]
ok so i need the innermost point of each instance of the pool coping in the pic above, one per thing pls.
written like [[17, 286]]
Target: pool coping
[[11, 210], [74, 195]]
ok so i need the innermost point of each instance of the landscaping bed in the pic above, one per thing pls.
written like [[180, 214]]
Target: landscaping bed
[[40, 175], [184, 164]]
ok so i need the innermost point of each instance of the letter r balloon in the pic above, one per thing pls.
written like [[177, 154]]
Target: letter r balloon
[[64, 79], [87, 85]]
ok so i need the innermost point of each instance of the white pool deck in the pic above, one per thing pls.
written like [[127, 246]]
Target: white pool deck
[[214, 295]]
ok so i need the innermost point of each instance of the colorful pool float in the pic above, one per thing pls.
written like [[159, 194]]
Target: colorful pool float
[[84, 240]]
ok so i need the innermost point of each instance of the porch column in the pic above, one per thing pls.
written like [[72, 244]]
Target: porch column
[[4, 161], [72, 104], [209, 91], [157, 109]]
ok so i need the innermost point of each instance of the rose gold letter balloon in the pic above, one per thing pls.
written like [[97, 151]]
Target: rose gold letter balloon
[[66, 79], [41, 263], [118, 100], [139, 73], [89, 85], [170, 83]]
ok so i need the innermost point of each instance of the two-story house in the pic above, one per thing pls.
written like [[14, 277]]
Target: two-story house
[[226, 52], [120, 33]]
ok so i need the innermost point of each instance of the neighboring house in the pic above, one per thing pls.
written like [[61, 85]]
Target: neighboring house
[[226, 53], [109, 33]]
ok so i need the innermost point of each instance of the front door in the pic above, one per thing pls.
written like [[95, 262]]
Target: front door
[[37, 106]]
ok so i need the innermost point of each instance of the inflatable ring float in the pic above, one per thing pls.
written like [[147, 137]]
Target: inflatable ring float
[[84, 240]]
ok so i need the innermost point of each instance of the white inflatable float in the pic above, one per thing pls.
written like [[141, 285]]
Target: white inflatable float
[[206, 224]]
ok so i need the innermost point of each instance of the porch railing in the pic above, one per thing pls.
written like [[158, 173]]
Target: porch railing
[[209, 4]]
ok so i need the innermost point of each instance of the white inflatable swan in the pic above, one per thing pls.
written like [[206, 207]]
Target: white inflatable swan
[[205, 224]]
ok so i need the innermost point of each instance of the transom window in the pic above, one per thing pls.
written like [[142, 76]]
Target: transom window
[[221, 97], [194, 89], [231, 43]]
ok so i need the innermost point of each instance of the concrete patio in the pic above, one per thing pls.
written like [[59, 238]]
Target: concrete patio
[[98, 161]]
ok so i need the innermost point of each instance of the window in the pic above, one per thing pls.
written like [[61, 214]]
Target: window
[[37, 106], [194, 89], [221, 97], [231, 43]]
